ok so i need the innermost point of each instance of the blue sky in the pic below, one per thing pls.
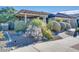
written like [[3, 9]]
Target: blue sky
[[47, 8]]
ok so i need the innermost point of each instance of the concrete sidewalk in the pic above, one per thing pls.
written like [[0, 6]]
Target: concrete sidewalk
[[63, 45]]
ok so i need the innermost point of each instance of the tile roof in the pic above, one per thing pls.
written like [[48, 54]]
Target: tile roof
[[33, 12]]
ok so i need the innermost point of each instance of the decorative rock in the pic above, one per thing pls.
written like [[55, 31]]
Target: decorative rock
[[35, 32]]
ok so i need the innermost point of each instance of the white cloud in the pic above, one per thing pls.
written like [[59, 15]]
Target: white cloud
[[70, 12]]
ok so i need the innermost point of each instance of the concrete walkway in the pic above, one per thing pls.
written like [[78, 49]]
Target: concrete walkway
[[63, 45]]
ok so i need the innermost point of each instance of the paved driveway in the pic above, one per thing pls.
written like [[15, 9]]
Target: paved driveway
[[63, 45]]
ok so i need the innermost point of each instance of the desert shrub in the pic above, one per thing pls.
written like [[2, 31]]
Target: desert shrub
[[59, 19], [28, 24], [68, 26], [50, 25], [47, 33], [63, 25], [38, 22], [20, 25], [54, 26], [1, 35]]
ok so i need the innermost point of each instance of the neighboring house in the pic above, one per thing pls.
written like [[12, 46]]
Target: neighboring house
[[71, 19], [28, 15]]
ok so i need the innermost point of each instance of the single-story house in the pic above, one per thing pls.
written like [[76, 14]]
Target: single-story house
[[28, 15]]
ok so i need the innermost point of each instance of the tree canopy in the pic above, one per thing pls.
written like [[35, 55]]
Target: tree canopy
[[7, 14]]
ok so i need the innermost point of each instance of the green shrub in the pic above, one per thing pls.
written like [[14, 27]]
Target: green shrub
[[68, 26], [77, 29], [50, 25], [20, 25], [63, 25], [47, 33], [38, 22], [28, 24], [54, 26], [59, 19]]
